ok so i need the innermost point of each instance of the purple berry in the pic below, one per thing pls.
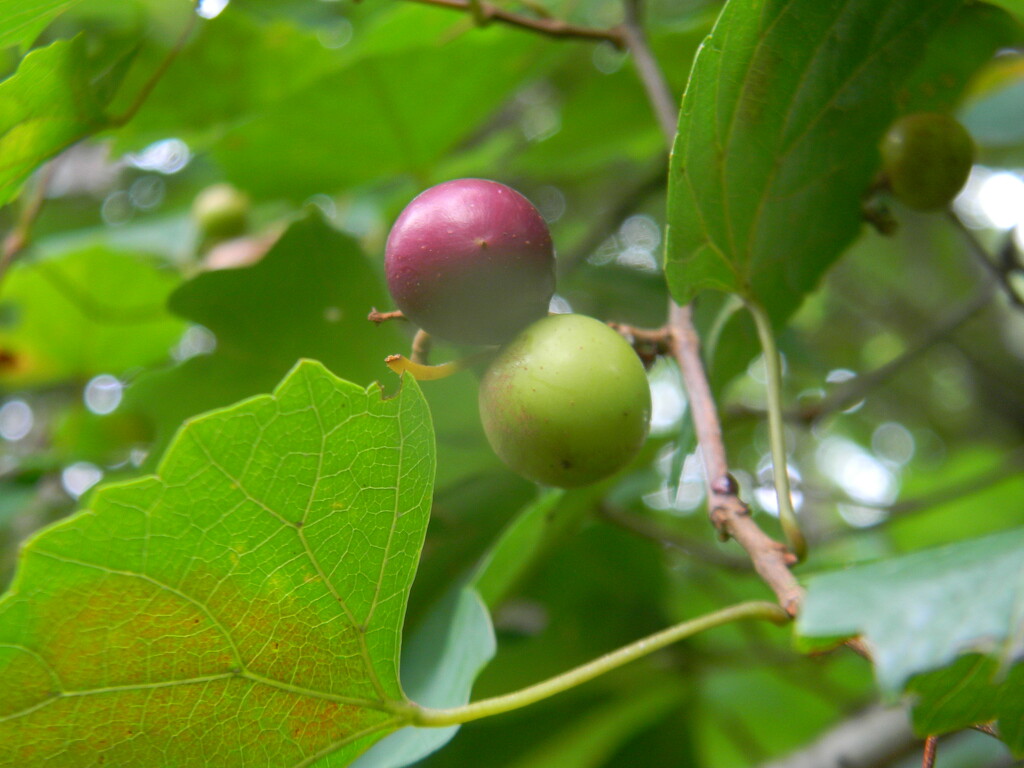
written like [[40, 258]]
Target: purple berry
[[471, 261]]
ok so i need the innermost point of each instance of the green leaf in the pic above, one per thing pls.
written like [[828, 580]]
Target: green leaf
[[972, 690], [264, 63], [777, 140], [328, 147], [55, 98], [241, 607], [921, 612], [83, 313], [308, 297], [957, 51], [23, 20], [1014, 6]]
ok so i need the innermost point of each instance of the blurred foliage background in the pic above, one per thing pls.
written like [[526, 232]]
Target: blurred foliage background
[[117, 323]]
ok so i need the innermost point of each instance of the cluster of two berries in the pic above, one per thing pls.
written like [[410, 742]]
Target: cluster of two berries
[[565, 401]]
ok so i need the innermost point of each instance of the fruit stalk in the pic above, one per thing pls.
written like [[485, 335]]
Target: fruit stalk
[[777, 431]]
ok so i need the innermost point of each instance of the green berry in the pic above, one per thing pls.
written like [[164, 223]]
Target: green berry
[[927, 158], [566, 402], [221, 212]]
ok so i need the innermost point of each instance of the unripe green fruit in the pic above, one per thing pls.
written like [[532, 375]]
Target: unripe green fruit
[[566, 402], [927, 158], [221, 212]]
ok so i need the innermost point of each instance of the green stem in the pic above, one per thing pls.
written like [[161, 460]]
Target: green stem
[[776, 430], [435, 718]]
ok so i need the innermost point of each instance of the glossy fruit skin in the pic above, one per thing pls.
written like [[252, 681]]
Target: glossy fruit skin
[[927, 157], [221, 212], [471, 261], [567, 402]]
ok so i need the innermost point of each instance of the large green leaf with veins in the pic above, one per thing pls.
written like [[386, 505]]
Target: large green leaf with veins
[[778, 139], [241, 607]]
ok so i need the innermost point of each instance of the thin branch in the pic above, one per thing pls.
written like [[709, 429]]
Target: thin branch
[[1000, 271], [729, 514], [648, 343], [658, 92], [378, 317], [857, 388], [543, 26]]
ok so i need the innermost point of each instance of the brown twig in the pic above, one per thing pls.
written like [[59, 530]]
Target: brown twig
[[380, 317], [543, 26], [659, 94], [930, 748], [730, 516], [663, 104], [728, 513], [648, 343]]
